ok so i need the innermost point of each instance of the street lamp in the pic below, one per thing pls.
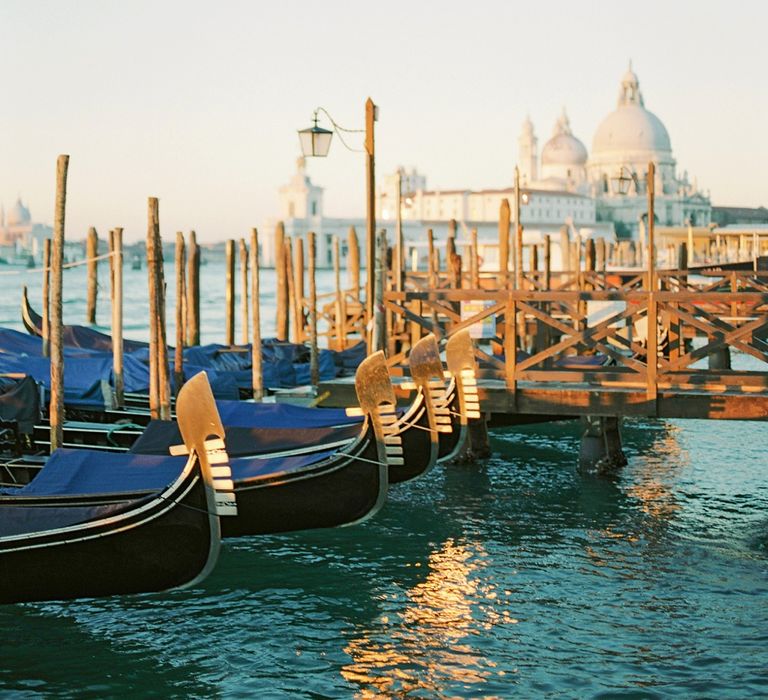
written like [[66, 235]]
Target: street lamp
[[622, 180], [521, 198], [316, 141]]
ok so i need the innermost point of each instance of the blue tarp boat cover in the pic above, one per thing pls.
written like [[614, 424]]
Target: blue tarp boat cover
[[284, 365], [87, 472], [247, 414], [20, 402], [159, 435]]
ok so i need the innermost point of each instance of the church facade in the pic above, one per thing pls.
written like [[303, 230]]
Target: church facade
[[20, 237], [564, 188], [625, 141]]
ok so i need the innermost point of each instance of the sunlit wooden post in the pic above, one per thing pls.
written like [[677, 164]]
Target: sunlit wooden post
[[244, 316], [56, 408], [193, 291], [518, 234], [653, 350], [46, 297], [379, 340], [229, 322], [398, 262], [590, 264], [474, 261], [292, 307], [298, 285], [178, 359], [314, 366], [341, 336], [154, 311], [116, 278], [504, 219], [353, 263], [256, 359], [281, 298], [433, 268], [600, 255], [370, 208], [565, 250], [91, 253]]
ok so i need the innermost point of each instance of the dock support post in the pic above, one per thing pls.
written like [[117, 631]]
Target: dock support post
[[720, 359], [281, 296], [193, 291], [56, 406], [229, 323], [91, 253], [600, 450], [256, 376]]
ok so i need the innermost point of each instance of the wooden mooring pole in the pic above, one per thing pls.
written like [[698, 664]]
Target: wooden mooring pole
[[160, 398], [281, 298], [298, 287], [91, 253], [193, 291], [291, 282], [56, 408], [244, 316], [229, 322], [504, 221], [314, 366], [353, 263], [116, 278], [256, 375], [181, 293], [47, 297]]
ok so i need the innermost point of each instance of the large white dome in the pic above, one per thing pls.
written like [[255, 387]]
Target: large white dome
[[18, 215], [563, 148], [631, 127]]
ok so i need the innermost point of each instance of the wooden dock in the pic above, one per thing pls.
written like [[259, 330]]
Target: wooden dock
[[540, 352]]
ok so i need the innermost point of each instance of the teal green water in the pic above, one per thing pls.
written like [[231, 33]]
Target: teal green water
[[515, 577]]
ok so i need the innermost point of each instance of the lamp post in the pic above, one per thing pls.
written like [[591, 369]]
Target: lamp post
[[520, 198], [316, 142], [621, 182]]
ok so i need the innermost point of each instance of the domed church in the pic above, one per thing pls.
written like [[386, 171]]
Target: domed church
[[624, 143]]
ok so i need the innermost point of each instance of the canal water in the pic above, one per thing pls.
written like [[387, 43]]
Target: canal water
[[516, 577]]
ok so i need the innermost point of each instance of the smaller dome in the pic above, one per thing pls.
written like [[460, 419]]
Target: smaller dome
[[18, 215], [563, 148]]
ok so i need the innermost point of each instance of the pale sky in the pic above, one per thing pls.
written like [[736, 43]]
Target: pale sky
[[198, 103]]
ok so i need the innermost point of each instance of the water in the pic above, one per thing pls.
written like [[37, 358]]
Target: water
[[517, 577]]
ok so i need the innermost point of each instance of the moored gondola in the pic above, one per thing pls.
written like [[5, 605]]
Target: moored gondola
[[327, 488], [81, 529]]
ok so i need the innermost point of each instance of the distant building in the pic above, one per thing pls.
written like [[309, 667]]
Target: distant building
[[20, 237], [567, 188], [625, 142], [725, 216]]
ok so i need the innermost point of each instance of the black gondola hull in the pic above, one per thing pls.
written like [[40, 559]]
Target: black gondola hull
[[153, 543], [344, 489]]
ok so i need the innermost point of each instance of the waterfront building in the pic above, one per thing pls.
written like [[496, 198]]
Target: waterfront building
[[20, 237], [565, 188]]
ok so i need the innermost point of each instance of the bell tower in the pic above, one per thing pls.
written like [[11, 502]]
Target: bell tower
[[528, 157]]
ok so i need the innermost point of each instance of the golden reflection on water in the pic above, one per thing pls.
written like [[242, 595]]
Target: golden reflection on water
[[655, 476], [653, 488], [423, 648]]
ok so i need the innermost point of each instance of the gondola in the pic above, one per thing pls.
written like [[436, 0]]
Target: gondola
[[338, 486], [284, 364], [425, 427], [80, 528]]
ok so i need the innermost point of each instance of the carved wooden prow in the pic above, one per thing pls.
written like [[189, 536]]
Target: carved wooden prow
[[460, 358], [202, 432], [377, 400]]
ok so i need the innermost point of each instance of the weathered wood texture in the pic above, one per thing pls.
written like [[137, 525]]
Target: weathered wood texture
[[56, 407]]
